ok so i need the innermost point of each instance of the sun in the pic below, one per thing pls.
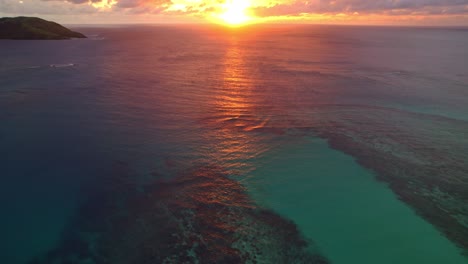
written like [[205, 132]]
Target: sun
[[235, 12]]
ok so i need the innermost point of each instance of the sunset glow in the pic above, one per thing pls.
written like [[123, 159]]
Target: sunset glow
[[235, 12], [241, 12]]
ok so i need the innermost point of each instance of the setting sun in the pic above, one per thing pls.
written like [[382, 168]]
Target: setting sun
[[235, 12]]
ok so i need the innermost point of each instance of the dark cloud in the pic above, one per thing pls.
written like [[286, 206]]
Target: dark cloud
[[137, 3], [74, 1], [78, 1], [129, 3], [119, 3], [45, 7]]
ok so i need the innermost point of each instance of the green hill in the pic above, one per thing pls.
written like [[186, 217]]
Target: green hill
[[34, 28]]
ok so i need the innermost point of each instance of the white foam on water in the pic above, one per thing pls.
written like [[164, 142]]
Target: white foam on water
[[62, 65]]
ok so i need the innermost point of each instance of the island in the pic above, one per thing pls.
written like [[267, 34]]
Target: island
[[34, 28]]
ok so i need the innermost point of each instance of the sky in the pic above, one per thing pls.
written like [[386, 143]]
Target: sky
[[368, 12]]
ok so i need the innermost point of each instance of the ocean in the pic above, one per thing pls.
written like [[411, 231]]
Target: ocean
[[258, 144]]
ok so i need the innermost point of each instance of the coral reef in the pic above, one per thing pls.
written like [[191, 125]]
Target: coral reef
[[199, 216]]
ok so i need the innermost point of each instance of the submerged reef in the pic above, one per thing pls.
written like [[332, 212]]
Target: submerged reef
[[199, 216], [423, 158]]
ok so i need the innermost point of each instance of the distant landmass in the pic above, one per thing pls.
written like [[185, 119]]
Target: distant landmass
[[34, 28]]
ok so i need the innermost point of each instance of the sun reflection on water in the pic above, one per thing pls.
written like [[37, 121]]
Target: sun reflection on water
[[235, 114]]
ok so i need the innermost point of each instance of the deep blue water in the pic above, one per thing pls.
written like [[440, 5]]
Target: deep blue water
[[260, 104]]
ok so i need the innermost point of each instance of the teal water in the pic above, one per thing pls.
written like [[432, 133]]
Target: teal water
[[351, 217]]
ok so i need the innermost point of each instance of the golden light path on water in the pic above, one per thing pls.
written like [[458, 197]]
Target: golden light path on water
[[236, 113]]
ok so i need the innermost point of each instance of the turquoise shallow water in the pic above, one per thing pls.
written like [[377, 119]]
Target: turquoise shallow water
[[349, 215]]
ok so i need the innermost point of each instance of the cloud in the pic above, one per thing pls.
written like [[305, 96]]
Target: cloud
[[265, 8], [41, 7], [129, 3], [75, 1], [363, 6], [261, 8], [137, 3]]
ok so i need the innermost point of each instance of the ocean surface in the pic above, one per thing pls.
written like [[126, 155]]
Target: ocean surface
[[259, 144]]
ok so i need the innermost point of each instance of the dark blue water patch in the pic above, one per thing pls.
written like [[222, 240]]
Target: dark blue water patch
[[43, 167], [47, 150]]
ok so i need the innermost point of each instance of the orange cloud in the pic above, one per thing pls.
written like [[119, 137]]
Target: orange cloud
[[450, 11]]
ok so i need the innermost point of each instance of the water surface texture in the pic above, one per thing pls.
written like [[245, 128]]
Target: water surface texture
[[263, 144]]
